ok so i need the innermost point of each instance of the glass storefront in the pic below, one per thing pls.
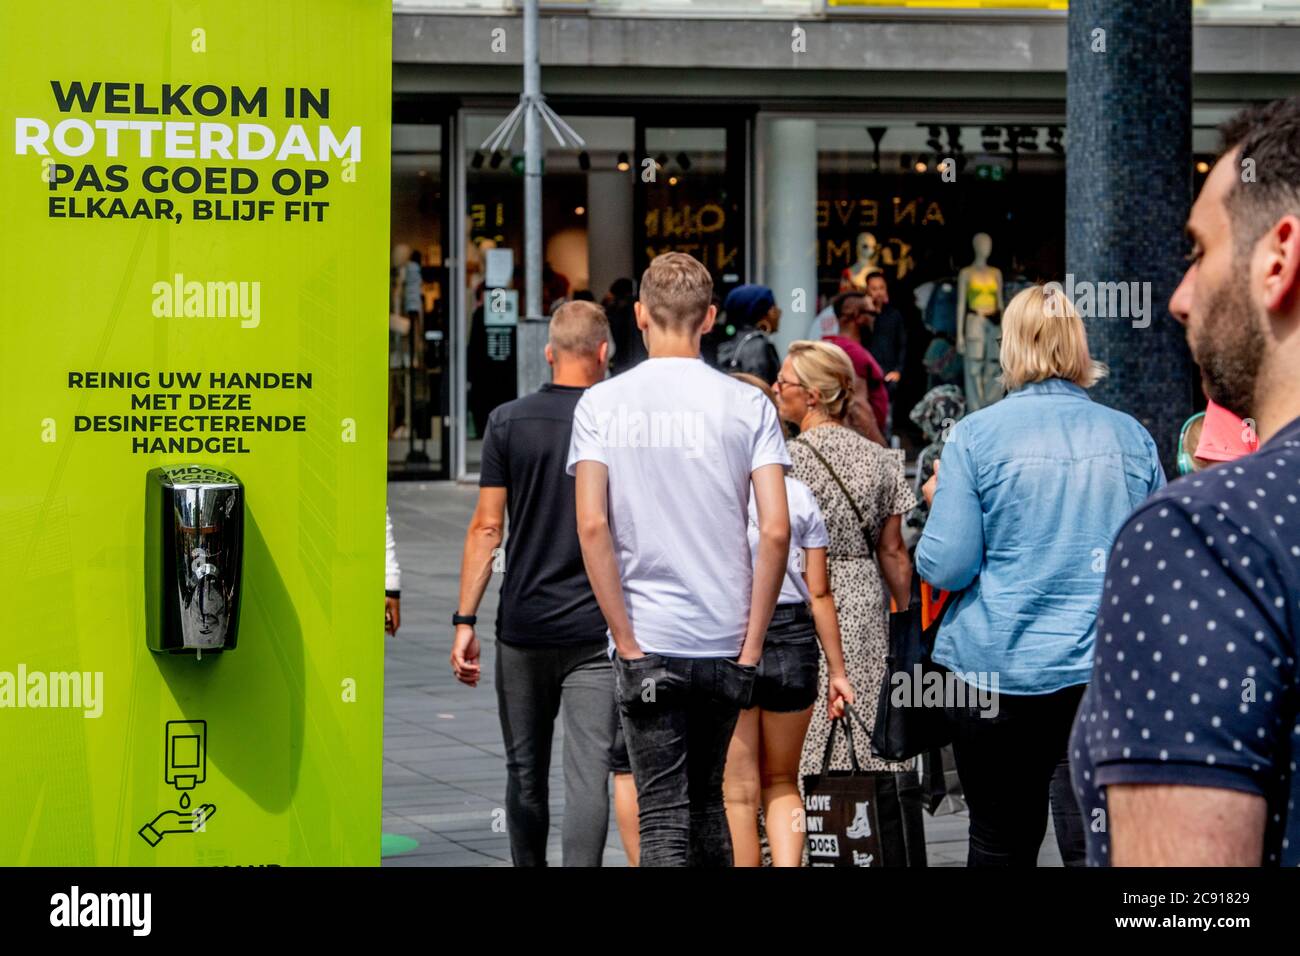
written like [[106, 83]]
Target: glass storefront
[[418, 337], [695, 201], [888, 188], [642, 184], [587, 244], [1215, 10], [882, 195], [907, 197]]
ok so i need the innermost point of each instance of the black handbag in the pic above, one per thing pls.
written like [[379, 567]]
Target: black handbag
[[862, 817], [908, 720]]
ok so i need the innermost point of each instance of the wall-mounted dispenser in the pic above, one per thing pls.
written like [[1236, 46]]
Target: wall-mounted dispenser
[[194, 548]]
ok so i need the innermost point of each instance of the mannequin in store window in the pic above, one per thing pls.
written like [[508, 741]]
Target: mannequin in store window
[[854, 278], [413, 299], [979, 328]]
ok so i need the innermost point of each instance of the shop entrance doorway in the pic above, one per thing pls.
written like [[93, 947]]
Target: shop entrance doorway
[[419, 371], [645, 183]]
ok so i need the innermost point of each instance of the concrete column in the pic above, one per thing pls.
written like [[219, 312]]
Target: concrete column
[[609, 229], [1128, 193], [790, 223]]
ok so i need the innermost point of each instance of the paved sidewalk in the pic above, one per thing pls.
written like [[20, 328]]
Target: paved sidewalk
[[444, 762]]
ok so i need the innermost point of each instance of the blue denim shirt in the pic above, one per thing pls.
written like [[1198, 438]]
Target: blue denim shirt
[[1032, 492]]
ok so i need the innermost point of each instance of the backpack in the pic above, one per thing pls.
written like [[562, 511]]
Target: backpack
[[729, 352]]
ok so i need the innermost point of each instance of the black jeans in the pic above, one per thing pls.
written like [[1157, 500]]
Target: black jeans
[[1008, 765], [678, 715], [534, 685]]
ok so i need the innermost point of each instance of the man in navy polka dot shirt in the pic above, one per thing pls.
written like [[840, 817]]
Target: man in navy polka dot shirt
[[1185, 747]]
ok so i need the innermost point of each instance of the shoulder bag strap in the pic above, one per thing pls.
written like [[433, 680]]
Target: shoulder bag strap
[[734, 361], [857, 512]]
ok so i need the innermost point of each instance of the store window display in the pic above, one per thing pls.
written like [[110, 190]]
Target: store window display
[[884, 203], [854, 278], [979, 326], [418, 376]]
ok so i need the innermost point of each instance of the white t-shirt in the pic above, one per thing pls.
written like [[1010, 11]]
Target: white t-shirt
[[807, 530], [680, 441]]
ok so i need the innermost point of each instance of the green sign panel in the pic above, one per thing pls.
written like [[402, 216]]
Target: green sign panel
[[194, 265]]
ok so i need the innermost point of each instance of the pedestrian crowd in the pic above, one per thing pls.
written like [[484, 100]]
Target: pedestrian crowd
[[703, 560]]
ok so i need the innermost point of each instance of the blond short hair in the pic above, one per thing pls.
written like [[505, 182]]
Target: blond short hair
[[677, 291], [827, 368], [579, 328], [1043, 337]]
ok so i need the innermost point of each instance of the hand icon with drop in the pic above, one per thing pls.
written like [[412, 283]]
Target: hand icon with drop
[[178, 821]]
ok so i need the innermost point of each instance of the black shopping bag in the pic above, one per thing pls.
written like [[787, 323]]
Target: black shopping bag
[[940, 785], [862, 817], [908, 723]]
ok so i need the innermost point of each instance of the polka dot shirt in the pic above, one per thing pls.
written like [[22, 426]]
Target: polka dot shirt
[[1194, 677]]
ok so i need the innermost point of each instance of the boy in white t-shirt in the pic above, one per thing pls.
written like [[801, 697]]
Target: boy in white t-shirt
[[664, 458]]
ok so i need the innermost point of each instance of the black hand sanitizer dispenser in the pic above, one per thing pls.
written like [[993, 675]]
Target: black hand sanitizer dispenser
[[194, 549]]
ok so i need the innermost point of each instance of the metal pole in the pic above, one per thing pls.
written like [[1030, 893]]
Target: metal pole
[[531, 338]]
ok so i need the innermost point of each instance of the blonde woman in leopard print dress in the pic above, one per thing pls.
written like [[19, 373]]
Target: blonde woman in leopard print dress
[[815, 388]]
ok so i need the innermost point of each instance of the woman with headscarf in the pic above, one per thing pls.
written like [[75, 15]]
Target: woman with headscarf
[[753, 313]]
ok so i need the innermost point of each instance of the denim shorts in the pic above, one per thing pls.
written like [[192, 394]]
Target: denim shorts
[[619, 761], [788, 671]]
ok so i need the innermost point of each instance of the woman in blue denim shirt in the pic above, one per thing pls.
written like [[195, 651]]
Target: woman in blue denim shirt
[[1029, 498]]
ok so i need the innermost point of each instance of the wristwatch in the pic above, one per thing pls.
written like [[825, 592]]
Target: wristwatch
[[458, 618]]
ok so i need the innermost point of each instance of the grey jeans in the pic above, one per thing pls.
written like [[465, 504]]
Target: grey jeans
[[534, 685]]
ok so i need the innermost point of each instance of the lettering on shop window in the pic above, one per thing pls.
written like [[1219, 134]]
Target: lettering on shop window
[[686, 229], [840, 220], [894, 253], [865, 213], [716, 256], [906, 212], [848, 212], [687, 220], [482, 214], [836, 253]]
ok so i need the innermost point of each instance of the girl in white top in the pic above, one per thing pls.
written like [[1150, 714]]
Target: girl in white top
[[763, 759]]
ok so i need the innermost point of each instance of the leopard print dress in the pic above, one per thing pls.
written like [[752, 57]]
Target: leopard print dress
[[874, 475]]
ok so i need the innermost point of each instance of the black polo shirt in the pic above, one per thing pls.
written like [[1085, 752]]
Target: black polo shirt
[[545, 597], [1194, 678]]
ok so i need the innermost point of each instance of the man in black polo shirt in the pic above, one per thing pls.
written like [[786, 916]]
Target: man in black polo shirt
[[550, 632], [1185, 747]]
